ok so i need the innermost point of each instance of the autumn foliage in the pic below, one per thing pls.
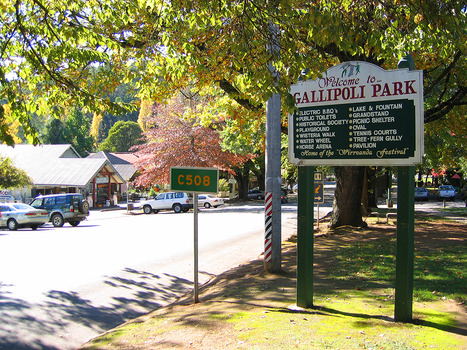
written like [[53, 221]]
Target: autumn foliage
[[179, 140]]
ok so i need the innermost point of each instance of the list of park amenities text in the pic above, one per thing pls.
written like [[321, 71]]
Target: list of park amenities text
[[366, 130]]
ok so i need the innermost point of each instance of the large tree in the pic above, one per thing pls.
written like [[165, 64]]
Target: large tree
[[54, 132], [122, 136], [77, 127], [75, 131], [12, 177], [47, 47], [179, 139]]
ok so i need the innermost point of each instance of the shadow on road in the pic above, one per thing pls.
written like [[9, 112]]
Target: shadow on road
[[52, 323]]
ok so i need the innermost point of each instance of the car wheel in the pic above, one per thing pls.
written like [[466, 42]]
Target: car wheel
[[74, 223], [57, 220], [177, 208], [207, 205], [84, 206], [259, 197], [12, 225], [147, 209]]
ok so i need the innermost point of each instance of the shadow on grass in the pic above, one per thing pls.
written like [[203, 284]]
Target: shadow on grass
[[349, 261]]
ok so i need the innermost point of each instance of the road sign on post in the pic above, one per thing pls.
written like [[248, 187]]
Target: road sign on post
[[319, 193], [194, 180]]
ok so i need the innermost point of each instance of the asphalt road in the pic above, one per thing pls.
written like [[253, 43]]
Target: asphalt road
[[60, 287]]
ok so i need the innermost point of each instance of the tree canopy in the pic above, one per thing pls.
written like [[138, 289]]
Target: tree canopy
[[179, 139], [122, 136], [50, 47], [74, 130], [10, 176]]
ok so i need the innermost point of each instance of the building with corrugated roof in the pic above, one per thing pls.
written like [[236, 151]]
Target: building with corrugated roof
[[59, 169], [122, 162]]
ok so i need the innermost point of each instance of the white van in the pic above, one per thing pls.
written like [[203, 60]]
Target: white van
[[176, 201]]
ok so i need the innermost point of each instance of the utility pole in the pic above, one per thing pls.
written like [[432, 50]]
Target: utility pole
[[272, 241]]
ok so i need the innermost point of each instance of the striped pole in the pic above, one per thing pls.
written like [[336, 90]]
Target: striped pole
[[268, 227]]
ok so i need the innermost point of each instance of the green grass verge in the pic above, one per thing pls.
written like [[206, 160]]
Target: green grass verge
[[352, 322], [439, 275], [456, 211]]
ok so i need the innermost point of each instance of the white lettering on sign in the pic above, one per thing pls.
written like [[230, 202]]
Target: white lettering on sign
[[358, 114]]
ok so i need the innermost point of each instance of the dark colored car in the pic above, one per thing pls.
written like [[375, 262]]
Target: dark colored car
[[421, 193], [255, 194], [69, 207]]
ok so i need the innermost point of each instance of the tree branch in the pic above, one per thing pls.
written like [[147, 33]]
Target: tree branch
[[234, 93], [445, 72], [440, 110]]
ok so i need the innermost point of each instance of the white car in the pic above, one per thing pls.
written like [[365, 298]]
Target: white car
[[209, 200], [16, 215], [446, 192], [176, 201]]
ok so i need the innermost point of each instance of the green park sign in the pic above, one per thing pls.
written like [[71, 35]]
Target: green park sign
[[194, 180], [358, 114]]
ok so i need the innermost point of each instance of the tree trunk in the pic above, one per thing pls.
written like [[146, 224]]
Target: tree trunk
[[347, 199], [258, 167], [242, 176], [371, 195]]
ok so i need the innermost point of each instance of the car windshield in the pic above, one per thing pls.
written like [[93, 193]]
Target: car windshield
[[36, 202]]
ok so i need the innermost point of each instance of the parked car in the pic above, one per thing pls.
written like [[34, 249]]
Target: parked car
[[255, 194], [421, 193], [176, 201], [209, 200], [16, 215], [446, 192], [69, 207]]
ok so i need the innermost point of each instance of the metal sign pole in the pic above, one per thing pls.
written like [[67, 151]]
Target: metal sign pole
[[305, 239], [405, 234], [195, 215]]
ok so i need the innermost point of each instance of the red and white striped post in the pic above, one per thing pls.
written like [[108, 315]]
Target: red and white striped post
[[268, 227]]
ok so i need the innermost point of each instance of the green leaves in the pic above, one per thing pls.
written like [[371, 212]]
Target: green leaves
[[48, 52], [122, 136], [10, 176]]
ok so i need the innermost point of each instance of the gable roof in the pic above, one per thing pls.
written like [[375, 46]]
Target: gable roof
[[120, 161], [57, 165], [25, 154]]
